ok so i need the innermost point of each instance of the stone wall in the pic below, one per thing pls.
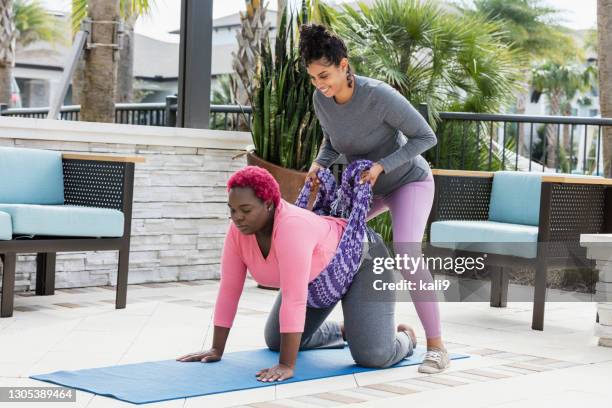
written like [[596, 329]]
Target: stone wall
[[179, 216]]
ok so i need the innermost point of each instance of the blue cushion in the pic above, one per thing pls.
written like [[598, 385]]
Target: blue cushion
[[486, 236], [31, 176], [64, 220], [6, 228], [515, 197]]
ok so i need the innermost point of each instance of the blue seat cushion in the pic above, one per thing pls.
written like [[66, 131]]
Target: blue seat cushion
[[515, 197], [486, 236], [6, 228], [31, 176], [64, 220]]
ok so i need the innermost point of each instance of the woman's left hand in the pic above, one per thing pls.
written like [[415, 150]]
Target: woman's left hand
[[279, 372], [372, 174]]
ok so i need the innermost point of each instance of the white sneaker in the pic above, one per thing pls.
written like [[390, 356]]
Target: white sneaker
[[435, 361]]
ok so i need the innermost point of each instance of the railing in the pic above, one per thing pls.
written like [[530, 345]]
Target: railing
[[227, 117], [471, 141], [520, 142]]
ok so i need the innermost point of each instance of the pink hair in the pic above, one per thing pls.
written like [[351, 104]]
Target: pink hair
[[259, 180]]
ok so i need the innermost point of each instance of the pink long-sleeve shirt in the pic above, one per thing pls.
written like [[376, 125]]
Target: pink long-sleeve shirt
[[303, 243]]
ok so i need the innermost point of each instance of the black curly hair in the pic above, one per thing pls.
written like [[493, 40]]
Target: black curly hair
[[317, 42]]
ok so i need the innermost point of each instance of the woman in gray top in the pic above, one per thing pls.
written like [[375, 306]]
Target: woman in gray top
[[364, 118]]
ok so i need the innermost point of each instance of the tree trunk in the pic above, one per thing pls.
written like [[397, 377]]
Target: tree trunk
[[7, 49], [78, 79], [254, 31], [125, 71], [520, 110], [551, 133], [521, 107], [604, 32], [5, 84], [100, 74]]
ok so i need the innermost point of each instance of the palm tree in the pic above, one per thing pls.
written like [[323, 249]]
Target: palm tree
[[23, 22], [449, 61], [130, 11], [253, 33], [559, 83], [34, 23], [528, 26], [7, 49], [100, 73], [604, 30]]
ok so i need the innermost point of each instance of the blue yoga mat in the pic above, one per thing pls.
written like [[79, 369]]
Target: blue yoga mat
[[156, 381]]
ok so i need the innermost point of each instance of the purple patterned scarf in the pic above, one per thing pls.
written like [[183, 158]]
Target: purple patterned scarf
[[352, 201]]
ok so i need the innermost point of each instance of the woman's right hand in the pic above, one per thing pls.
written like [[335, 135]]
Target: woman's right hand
[[208, 356], [312, 173]]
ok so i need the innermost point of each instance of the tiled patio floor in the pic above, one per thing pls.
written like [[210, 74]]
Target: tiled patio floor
[[510, 365]]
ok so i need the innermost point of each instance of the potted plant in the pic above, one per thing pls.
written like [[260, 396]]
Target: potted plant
[[286, 133]]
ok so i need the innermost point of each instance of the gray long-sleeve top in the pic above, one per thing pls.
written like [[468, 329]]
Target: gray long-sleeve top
[[377, 124]]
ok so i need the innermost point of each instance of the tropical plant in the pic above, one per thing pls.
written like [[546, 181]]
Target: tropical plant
[[127, 8], [382, 224], [130, 11], [7, 49], [604, 41], [590, 40], [23, 22], [285, 129], [224, 94], [281, 5], [471, 145], [97, 96], [529, 27], [560, 83], [34, 23], [432, 56], [320, 13], [253, 33]]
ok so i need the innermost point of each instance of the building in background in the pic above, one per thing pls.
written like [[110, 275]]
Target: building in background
[[39, 66]]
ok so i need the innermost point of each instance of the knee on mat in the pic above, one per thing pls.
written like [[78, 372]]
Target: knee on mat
[[372, 358], [272, 341]]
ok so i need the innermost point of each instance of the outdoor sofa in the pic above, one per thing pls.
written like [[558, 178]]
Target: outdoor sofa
[[518, 219], [54, 202]]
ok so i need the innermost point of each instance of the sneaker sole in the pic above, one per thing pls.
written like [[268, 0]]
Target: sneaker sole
[[431, 370]]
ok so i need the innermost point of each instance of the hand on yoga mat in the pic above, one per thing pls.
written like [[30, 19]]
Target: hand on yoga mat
[[279, 372], [372, 174], [208, 356]]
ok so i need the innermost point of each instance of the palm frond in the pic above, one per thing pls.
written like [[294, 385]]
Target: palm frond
[[34, 23]]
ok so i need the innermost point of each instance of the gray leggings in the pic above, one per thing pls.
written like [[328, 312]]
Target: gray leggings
[[369, 325]]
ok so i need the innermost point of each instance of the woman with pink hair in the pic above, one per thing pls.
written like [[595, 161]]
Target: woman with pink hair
[[287, 247]]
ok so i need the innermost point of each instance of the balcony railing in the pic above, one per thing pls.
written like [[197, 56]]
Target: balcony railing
[[566, 144], [471, 141]]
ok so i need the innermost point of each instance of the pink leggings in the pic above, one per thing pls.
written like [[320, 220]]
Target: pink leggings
[[410, 206]]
